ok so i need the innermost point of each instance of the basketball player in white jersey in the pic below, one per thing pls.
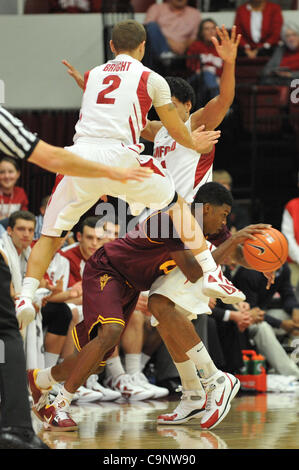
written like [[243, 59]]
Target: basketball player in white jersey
[[117, 97], [188, 168]]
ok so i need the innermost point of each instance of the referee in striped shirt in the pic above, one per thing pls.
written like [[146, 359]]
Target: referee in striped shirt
[[16, 431]]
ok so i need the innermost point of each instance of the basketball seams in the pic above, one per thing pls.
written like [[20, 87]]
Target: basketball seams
[[267, 246], [257, 261], [258, 257], [276, 237]]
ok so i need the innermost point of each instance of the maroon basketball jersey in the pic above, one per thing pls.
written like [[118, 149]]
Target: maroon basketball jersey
[[144, 253]]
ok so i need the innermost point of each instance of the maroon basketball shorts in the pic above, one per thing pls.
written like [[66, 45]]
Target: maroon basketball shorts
[[107, 299]]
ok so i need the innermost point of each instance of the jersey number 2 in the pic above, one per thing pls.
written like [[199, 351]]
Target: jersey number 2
[[113, 81]]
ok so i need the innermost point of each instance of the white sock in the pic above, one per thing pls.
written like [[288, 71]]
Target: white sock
[[63, 399], [132, 363], [50, 359], [202, 360], [206, 261], [44, 378], [188, 375], [29, 287], [144, 360], [114, 367]]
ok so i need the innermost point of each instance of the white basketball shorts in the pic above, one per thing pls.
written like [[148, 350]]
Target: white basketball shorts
[[187, 297], [72, 196]]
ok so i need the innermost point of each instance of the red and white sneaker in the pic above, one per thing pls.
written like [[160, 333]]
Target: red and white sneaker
[[221, 388], [38, 394], [128, 389], [56, 419], [24, 311], [191, 406], [216, 285]]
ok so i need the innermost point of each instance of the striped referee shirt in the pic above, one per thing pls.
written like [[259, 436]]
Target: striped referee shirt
[[15, 139]]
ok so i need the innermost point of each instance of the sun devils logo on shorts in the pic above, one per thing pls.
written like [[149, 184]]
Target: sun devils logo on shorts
[[103, 280]]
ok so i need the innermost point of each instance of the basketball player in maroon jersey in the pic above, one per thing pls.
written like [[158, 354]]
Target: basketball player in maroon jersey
[[112, 281]]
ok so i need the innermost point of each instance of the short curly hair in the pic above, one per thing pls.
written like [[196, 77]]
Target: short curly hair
[[181, 89]]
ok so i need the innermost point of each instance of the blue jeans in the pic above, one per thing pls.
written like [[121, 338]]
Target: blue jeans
[[210, 80], [156, 39]]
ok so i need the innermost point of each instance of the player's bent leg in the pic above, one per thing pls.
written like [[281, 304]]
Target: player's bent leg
[[215, 285], [179, 327], [39, 260], [193, 398], [56, 416], [92, 354]]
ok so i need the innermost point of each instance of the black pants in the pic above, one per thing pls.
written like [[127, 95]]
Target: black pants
[[14, 407]]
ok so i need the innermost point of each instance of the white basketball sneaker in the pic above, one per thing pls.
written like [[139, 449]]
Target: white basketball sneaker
[[129, 390], [191, 406], [157, 392], [221, 388], [108, 394], [25, 311], [84, 395], [216, 285]]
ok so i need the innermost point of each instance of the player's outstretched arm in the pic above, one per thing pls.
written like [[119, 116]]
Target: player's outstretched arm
[[59, 160], [215, 110]]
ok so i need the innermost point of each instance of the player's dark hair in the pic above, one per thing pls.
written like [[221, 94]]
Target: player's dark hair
[[128, 35], [213, 193], [181, 89], [89, 222], [24, 215]]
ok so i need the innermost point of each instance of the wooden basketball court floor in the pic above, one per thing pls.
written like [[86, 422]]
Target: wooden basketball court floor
[[255, 421]]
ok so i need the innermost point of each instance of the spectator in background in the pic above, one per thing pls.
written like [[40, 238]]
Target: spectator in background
[[239, 216], [69, 6], [171, 27], [204, 57], [290, 228], [205, 63], [260, 23], [283, 66], [12, 197]]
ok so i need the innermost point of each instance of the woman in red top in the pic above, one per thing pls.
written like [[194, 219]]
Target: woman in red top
[[283, 66], [260, 23], [205, 63], [12, 198], [202, 52]]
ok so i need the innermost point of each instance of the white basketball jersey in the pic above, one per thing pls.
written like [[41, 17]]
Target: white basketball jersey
[[189, 169], [115, 102]]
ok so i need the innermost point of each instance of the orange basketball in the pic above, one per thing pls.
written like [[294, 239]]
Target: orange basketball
[[268, 252]]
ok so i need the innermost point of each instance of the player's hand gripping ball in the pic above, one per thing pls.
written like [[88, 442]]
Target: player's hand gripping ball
[[268, 252]]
